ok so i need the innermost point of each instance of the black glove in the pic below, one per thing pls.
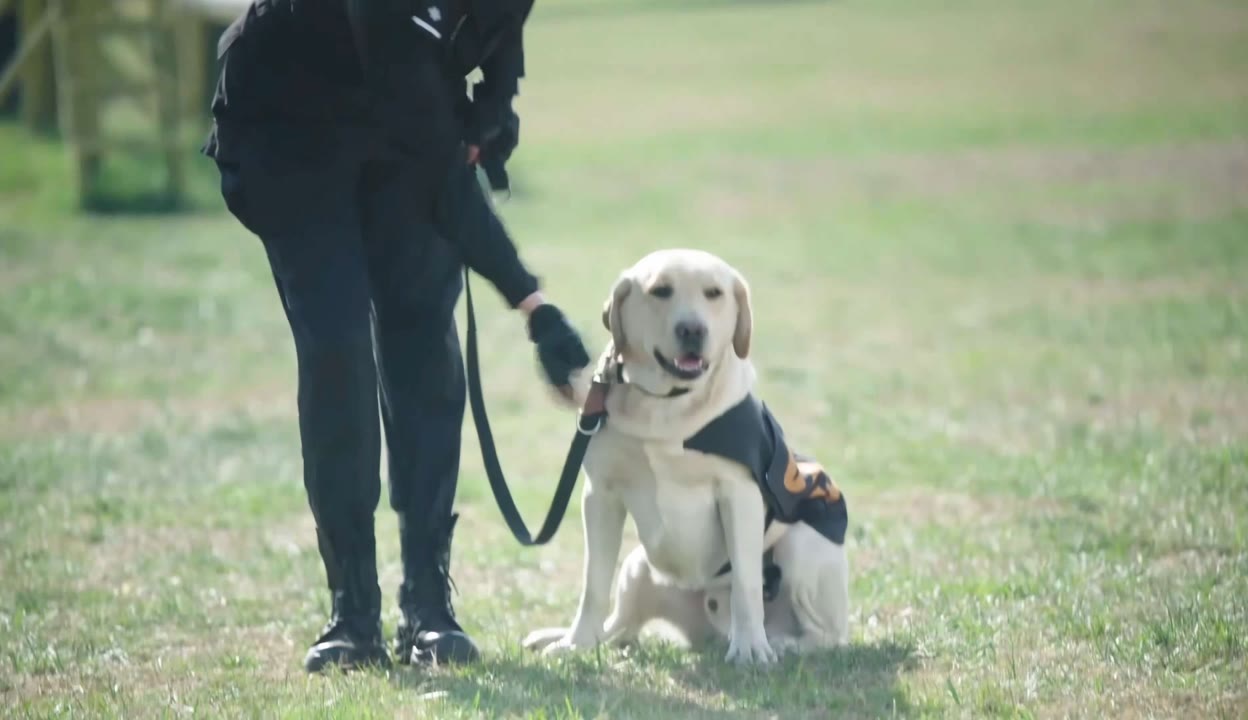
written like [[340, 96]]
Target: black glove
[[559, 347], [493, 127], [496, 151]]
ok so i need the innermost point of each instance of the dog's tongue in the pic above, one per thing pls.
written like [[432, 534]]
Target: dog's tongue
[[689, 362]]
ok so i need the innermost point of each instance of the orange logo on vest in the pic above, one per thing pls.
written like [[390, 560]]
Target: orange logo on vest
[[808, 479]]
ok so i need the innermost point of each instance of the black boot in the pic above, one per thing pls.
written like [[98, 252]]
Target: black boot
[[348, 643], [352, 638], [428, 631]]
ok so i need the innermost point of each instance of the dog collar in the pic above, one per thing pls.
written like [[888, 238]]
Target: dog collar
[[616, 367], [610, 371]]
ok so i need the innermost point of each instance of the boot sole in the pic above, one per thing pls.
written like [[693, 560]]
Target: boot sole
[[451, 648]]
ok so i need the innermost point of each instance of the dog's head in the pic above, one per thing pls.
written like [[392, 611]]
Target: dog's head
[[680, 312]]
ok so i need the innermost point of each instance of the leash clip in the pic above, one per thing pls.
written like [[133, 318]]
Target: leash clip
[[598, 420], [595, 406]]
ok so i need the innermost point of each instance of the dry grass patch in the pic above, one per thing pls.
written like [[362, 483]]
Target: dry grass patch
[[1189, 181], [917, 507], [118, 415]]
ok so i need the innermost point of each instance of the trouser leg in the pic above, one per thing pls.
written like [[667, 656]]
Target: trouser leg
[[421, 377], [416, 280], [305, 212]]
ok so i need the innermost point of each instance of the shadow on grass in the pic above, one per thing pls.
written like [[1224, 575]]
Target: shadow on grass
[[862, 680], [854, 681]]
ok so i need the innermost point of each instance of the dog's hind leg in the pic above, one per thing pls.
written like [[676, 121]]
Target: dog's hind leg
[[681, 609], [815, 585], [642, 597], [779, 621], [633, 598], [811, 609]]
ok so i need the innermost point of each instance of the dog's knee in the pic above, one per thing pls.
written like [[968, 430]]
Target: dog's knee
[[717, 604], [635, 582], [633, 599]]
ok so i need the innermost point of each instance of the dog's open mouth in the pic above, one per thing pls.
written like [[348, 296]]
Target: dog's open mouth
[[688, 366]]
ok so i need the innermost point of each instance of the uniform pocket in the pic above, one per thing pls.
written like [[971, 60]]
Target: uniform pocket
[[232, 191], [230, 159]]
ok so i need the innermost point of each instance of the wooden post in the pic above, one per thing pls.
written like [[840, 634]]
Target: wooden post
[[24, 68], [193, 69], [173, 38], [10, 40], [79, 60], [170, 101], [38, 80]]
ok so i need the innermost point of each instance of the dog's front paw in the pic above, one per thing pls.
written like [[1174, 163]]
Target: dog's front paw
[[544, 638], [563, 646], [568, 644], [785, 645], [556, 641], [750, 649]]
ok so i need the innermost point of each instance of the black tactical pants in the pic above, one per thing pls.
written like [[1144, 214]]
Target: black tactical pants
[[369, 291]]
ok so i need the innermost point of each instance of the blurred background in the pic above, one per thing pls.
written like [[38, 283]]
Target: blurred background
[[998, 251], [123, 83]]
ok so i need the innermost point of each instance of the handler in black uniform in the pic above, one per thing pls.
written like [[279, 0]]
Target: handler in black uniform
[[346, 140]]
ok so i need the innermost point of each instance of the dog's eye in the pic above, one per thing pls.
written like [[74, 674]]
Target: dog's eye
[[712, 293], [661, 291]]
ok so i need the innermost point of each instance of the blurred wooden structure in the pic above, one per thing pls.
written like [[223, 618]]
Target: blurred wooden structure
[[31, 67], [80, 62]]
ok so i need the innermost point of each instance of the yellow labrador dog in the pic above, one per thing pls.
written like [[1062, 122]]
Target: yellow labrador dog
[[739, 535]]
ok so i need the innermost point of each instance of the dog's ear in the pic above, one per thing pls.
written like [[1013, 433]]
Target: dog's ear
[[745, 317], [611, 319]]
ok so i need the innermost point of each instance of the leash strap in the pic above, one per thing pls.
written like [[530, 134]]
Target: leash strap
[[594, 413]]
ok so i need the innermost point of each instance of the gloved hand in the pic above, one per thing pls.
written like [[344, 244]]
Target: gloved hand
[[559, 347], [494, 128], [496, 151]]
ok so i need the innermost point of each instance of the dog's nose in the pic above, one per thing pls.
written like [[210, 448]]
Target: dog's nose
[[691, 335]]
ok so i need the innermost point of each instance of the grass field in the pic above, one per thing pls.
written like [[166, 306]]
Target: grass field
[[1000, 259]]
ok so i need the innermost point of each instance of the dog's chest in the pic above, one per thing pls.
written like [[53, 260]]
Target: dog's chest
[[671, 493]]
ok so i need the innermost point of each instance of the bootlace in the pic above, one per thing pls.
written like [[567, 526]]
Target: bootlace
[[425, 594], [435, 591]]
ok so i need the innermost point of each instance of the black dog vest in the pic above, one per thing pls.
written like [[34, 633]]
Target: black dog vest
[[795, 487]]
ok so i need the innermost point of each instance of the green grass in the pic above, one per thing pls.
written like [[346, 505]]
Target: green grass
[[998, 251]]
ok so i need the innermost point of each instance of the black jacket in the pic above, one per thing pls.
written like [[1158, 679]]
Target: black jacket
[[396, 70], [399, 65]]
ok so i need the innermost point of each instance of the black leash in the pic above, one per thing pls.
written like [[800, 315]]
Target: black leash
[[489, 454]]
